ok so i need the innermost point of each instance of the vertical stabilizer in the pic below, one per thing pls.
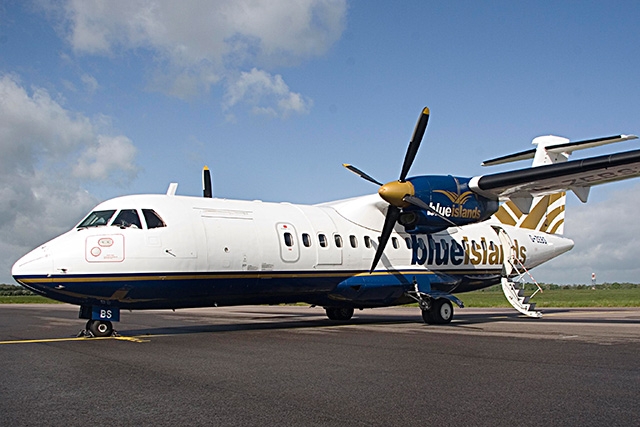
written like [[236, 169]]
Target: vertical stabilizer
[[546, 213]]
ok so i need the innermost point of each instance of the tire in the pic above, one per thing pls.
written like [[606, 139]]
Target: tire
[[339, 313], [427, 317], [442, 311], [100, 328]]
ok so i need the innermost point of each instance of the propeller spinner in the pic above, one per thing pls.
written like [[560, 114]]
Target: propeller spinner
[[401, 193]]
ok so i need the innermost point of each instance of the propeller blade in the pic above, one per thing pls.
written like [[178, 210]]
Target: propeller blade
[[360, 173], [412, 150], [419, 203], [206, 183], [389, 222]]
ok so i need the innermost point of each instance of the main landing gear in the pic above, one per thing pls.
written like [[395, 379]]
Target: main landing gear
[[437, 307], [440, 312], [339, 313]]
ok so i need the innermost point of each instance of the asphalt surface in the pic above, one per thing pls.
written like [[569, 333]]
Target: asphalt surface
[[290, 366]]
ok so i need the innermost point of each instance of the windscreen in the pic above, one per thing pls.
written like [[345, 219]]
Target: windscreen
[[97, 219]]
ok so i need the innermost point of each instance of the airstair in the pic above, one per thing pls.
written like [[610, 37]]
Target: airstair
[[513, 275]]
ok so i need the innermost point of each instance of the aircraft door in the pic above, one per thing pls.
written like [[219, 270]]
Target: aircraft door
[[231, 243], [289, 246]]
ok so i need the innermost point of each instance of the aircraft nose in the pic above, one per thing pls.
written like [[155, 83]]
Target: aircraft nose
[[38, 262]]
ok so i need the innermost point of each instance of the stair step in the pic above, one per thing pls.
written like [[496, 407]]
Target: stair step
[[517, 300]]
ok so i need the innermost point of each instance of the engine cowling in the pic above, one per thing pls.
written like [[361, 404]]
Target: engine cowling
[[451, 197]]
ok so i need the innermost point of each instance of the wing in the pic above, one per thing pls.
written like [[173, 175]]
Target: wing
[[576, 175]]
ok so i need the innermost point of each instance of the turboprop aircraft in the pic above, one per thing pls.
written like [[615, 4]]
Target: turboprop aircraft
[[420, 239]]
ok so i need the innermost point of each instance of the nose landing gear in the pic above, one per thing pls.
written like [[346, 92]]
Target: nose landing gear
[[99, 323], [98, 329]]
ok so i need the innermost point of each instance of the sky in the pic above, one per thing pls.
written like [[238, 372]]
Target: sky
[[104, 98]]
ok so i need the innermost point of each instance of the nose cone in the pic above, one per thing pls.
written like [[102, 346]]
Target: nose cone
[[38, 262], [393, 192]]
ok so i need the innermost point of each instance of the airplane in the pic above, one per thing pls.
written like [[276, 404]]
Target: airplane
[[420, 239]]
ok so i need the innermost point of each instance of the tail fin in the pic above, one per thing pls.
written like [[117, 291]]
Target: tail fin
[[546, 213]]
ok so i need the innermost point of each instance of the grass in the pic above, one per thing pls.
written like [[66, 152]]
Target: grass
[[26, 299], [559, 298], [603, 295]]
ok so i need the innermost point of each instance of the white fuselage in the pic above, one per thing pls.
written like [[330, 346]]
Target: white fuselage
[[223, 247]]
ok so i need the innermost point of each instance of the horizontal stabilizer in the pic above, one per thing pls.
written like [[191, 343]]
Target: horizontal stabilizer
[[562, 148], [522, 155], [570, 147]]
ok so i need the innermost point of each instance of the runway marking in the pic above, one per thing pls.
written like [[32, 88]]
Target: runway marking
[[48, 340]]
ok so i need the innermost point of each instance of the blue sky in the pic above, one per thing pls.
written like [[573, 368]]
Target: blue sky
[[100, 99]]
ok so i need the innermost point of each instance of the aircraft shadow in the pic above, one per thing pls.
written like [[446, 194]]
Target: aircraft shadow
[[271, 323], [303, 321]]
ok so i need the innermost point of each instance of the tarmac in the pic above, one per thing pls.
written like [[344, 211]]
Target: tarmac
[[289, 365]]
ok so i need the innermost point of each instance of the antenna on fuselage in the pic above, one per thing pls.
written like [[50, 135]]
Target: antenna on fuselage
[[206, 183], [173, 187]]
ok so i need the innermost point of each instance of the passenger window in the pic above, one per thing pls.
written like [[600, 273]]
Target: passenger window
[[338, 240], [152, 219], [394, 242], [127, 218], [323, 240], [367, 241], [306, 240], [354, 241], [97, 218], [288, 239], [408, 241]]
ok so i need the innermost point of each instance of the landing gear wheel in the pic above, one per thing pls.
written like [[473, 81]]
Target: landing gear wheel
[[100, 328], [427, 317], [339, 313], [441, 312]]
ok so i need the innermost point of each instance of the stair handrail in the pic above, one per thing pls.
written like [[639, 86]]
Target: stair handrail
[[526, 271]]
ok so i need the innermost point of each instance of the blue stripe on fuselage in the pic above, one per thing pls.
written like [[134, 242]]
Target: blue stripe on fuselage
[[180, 290]]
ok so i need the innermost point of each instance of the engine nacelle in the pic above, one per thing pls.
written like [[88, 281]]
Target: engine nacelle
[[451, 197]]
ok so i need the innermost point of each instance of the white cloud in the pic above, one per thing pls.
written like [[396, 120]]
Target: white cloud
[[199, 43], [40, 142], [90, 83], [605, 236], [109, 154], [267, 94]]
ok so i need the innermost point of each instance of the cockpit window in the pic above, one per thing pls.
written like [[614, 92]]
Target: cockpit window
[[127, 218], [97, 218], [153, 219]]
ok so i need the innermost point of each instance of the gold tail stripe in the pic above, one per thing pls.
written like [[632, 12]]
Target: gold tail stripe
[[513, 208], [532, 221], [555, 228], [505, 217]]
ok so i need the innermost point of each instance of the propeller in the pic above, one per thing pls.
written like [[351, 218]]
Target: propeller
[[206, 183], [401, 193]]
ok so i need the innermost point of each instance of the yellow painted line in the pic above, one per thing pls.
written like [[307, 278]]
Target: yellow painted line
[[48, 340]]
